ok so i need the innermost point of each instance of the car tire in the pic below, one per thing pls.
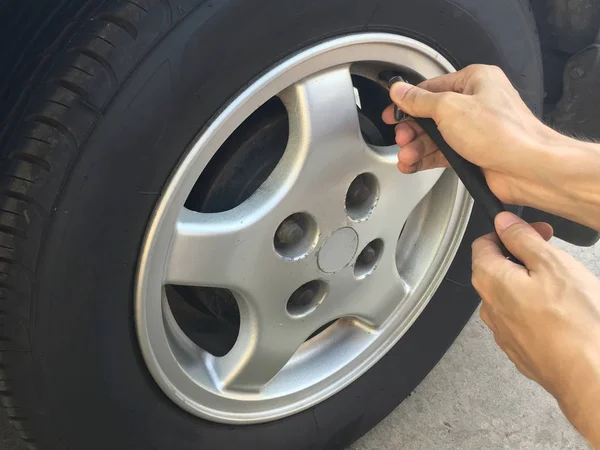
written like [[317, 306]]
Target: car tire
[[115, 100]]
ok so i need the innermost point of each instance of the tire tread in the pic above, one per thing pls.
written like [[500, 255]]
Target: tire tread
[[69, 84]]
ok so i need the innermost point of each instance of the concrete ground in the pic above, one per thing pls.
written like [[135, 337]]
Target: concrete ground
[[474, 399]]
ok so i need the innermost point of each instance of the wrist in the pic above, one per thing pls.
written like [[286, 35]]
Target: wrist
[[564, 177], [580, 400]]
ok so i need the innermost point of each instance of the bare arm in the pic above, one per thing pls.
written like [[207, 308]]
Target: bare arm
[[574, 191], [545, 316]]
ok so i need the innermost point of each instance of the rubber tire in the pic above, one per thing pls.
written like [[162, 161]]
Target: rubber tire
[[86, 155]]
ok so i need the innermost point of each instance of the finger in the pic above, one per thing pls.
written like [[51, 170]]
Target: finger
[[418, 102], [433, 161], [545, 230], [388, 115], [487, 246], [490, 265], [413, 124], [405, 134], [522, 240], [407, 131], [416, 150], [491, 269]]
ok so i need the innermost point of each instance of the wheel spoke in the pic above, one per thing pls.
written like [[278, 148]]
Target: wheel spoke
[[399, 194], [217, 250], [324, 126], [371, 300], [409, 190], [267, 340]]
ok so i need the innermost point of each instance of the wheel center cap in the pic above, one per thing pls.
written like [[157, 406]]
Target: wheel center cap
[[338, 250]]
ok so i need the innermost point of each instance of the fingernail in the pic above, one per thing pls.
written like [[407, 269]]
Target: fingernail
[[399, 90], [505, 220]]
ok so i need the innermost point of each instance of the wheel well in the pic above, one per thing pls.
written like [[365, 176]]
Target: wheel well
[[565, 27]]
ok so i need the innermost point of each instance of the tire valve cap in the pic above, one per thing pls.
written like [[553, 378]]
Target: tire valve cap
[[390, 78]]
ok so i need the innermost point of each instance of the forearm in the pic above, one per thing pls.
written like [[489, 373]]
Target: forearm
[[580, 404], [587, 421], [566, 179]]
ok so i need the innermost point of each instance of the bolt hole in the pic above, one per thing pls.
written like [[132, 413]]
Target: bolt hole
[[368, 259], [362, 196], [306, 298], [296, 236]]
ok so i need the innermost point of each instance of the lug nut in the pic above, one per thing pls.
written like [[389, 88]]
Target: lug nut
[[306, 298], [303, 298], [366, 262], [296, 236], [289, 232], [359, 192], [362, 196], [367, 256]]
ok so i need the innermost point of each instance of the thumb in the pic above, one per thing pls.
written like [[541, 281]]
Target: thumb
[[521, 239], [417, 102]]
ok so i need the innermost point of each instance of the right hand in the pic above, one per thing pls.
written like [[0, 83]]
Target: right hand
[[483, 118]]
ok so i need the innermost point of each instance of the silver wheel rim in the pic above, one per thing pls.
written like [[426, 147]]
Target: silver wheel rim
[[417, 221]]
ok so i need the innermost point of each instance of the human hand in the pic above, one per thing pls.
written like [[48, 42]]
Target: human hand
[[545, 317], [483, 118]]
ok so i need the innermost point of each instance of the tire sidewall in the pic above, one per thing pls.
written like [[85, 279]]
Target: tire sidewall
[[94, 387]]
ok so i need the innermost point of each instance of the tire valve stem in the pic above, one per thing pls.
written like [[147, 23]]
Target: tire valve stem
[[390, 78]]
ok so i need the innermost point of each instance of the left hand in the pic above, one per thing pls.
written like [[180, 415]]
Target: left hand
[[545, 317]]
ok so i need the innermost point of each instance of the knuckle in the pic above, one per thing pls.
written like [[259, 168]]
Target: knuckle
[[483, 74], [549, 260], [479, 276], [494, 70], [477, 246], [476, 266], [546, 254], [479, 71], [420, 145], [476, 243], [517, 232], [476, 281], [407, 170], [417, 166], [475, 68], [407, 159], [398, 139]]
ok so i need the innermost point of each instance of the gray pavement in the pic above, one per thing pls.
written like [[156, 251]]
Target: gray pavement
[[476, 400], [473, 400]]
